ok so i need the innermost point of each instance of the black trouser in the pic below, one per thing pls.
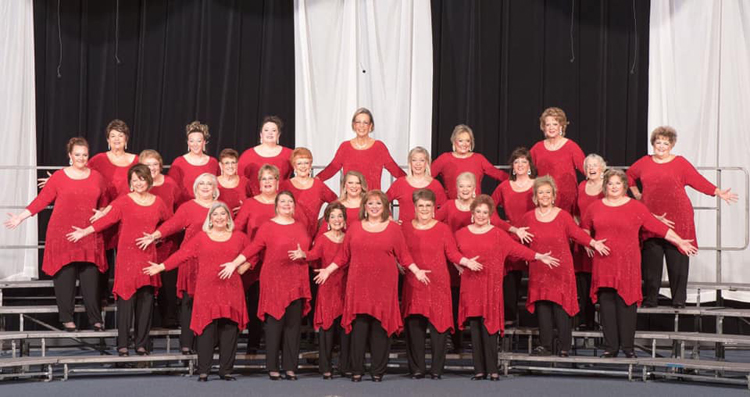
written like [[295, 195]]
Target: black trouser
[[484, 347], [187, 337], [142, 305], [618, 321], [288, 330], [456, 337], [254, 325], [678, 265], [167, 299], [550, 316], [65, 291], [416, 332], [223, 331], [367, 328], [326, 339], [511, 291], [587, 309]]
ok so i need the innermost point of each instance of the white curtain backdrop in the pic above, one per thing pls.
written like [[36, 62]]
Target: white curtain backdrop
[[17, 112], [699, 77], [354, 53]]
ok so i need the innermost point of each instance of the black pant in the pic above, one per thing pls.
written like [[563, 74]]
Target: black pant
[[511, 291], [367, 328], [551, 315], [456, 337], [167, 299], [618, 321], [326, 339], [587, 309], [678, 265], [416, 332], [187, 337], [484, 347], [223, 331], [142, 305], [254, 325], [65, 291], [288, 330]]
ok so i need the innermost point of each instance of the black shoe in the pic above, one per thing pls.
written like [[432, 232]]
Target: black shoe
[[227, 377], [142, 352], [187, 352], [291, 377], [328, 377], [564, 354], [494, 377], [630, 354], [541, 351], [436, 376], [274, 377], [379, 378], [648, 304], [203, 378], [417, 376], [678, 305], [478, 377], [71, 329], [99, 328], [122, 353], [356, 378], [608, 355]]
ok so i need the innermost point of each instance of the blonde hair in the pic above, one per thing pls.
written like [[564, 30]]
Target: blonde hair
[[269, 168], [558, 114], [462, 129], [210, 176], [208, 225], [541, 181], [420, 150], [368, 113], [151, 154], [362, 182]]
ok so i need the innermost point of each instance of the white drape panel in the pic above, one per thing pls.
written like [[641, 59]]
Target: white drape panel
[[354, 53], [699, 77], [17, 112]]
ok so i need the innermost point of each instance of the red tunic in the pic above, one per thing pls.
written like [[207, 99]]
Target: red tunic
[[620, 270], [372, 283], [329, 304], [430, 248], [370, 162], [282, 280], [234, 197], [561, 164], [664, 191], [252, 215], [250, 162], [169, 192], [482, 291], [185, 173], [214, 298], [516, 205], [309, 201], [74, 201], [189, 217], [557, 284], [134, 220], [402, 191], [450, 167], [117, 179], [581, 261]]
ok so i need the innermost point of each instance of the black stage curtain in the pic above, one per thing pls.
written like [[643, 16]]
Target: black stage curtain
[[499, 64], [158, 65]]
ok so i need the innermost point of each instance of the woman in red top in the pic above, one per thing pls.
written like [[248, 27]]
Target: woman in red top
[[552, 290], [558, 156], [426, 306], [310, 193], [219, 313], [136, 213], [616, 279], [481, 303], [463, 159], [76, 191], [664, 177], [232, 187], [363, 153], [268, 151], [419, 178], [370, 249], [195, 162], [353, 189], [284, 284]]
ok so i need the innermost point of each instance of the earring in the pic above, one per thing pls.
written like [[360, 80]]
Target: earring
[[366, 215], [277, 141], [329, 226], [70, 161], [453, 147], [109, 147], [126, 146], [472, 219], [131, 188], [513, 172], [528, 172], [210, 224], [474, 195]]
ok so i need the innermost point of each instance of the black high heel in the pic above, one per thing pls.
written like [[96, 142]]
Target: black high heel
[[98, 327], [377, 378], [478, 377], [494, 377], [227, 377], [291, 377], [274, 377], [202, 378], [436, 376], [70, 329], [123, 352], [356, 378], [327, 377]]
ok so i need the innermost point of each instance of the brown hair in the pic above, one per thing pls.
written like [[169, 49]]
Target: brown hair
[[521, 152], [331, 207], [300, 153], [483, 199], [462, 129], [151, 154], [228, 153], [423, 194], [368, 113], [268, 168], [273, 119], [119, 126], [76, 141], [383, 199], [665, 131], [362, 181], [558, 114], [545, 180], [197, 127], [142, 172], [276, 200], [612, 172]]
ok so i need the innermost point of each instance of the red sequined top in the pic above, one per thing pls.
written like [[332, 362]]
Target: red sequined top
[[329, 303], [402, 191], [233, 197], [561, 164], [370, 162], [252, 215], [169, 192], [309, 201], [581, 261], [117, 179], [515, 205], [250, 163], [450, 167], [185, 173]]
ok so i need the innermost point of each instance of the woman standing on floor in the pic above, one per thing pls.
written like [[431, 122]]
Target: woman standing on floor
[[310, 193], [268, 151], [186, 168], [232, 187], [76, 190], [616, 279], [363, 153], [419, 178], [136, 212], [371, 310], [664, 177], [552, 290], [219, 313]]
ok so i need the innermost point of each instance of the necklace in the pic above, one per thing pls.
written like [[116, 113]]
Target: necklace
[[543, 214], [420, 226], [358, 146]]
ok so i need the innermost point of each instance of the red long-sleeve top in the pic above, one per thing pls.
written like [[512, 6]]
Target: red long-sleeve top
[[189, 217], [515, 205], [372, 282], [185, 173], [431, 250], [250, 162], [557, 284], [233, 197], [309, 201], [621, 269], [370, 162], [169, 192], [117, 179], [252, 215], [581, 261], [561, 164], [450, 167], [134, 220], [402, 191], [74, 201], [664, 191], [329, 304], [482, 292], [214, 298], [282, 280]]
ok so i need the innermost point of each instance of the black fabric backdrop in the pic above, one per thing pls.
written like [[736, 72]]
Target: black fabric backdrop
[[226, 63]]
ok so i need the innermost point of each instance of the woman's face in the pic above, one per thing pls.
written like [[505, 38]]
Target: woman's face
[[465, 189], [594, 170], [418, 163], [138, 184], [362, 125], [545, 197], [462, 144], [269, 133], [336, 220], [425, 210], [521, 166], [302, 166], [481, 215], [374, 207], [117, 140], [615, 187], [205, 189], [229, 166], [268, 183], [552, 127], [153, 166], [196, 143], [79, 156], [353, 186], [285, 205], [219, 218], [662, 147]]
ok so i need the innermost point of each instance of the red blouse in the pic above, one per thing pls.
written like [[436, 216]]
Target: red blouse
[[233, 197], [74, 201], [214, 298], [329, 303], [402, 191], [450, 167], [134, 220], [117, 179], [309, 201], [372, 282], [515, 205], [621, 269], [561, 164], [430, 248], [252, 215], [169, 192], [185, 173], [370, 162], [250, 162], [581, 261], [282, 280]]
